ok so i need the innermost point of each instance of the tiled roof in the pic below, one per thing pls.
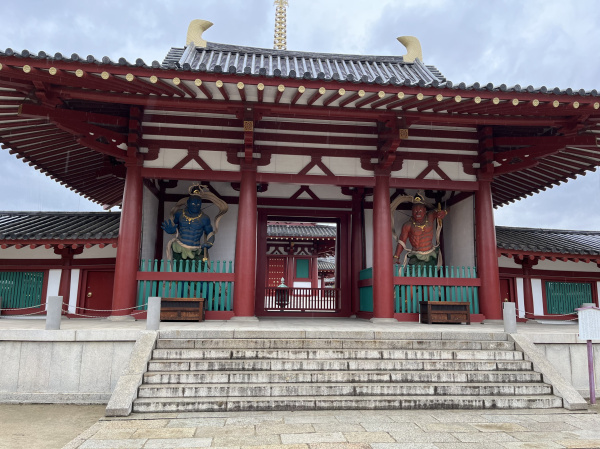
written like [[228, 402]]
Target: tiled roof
[[233, 59], [394, 71], [59, 225], [325, 265], [548, 240], [317, 231]]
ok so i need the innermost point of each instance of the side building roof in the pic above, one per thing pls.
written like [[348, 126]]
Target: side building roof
[[38, 227], [552, 241]]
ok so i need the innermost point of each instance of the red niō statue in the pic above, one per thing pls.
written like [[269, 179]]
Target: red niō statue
[[419, 231]]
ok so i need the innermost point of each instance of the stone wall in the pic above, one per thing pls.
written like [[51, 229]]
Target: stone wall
[[568, 355], [65, 366]]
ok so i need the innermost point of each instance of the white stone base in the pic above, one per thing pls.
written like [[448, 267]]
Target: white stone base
[[384, 320], [243, 318]]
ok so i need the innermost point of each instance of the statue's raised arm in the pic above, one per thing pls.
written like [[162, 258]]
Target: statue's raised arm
[[194, 234]]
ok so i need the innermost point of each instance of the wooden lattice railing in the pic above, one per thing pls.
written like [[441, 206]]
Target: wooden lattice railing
[[187, 279], [414, 283], [302, 299]]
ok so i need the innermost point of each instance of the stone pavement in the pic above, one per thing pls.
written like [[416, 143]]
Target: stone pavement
[[385, 429]]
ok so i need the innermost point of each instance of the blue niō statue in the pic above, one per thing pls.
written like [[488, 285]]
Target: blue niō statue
[[189, 226]]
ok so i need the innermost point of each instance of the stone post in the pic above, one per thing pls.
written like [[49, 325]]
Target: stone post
[[153, 313], [509, 315], [53, 312]]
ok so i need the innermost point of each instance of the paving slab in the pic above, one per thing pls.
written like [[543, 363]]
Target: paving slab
[[380, 429]]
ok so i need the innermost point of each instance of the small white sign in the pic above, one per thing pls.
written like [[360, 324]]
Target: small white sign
[[589, 323]]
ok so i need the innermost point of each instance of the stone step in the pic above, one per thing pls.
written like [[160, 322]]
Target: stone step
[[262, 377], [341, 365], [344, 354], [456, 335], [330, 344], [341, 389], [217, 404]]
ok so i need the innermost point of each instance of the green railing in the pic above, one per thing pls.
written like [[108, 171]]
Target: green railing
[[21, 289], [187, 279], [414, 283], [407, 297], [564, 297], [365, 293]]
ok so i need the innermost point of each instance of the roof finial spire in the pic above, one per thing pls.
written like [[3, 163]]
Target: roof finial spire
[[279, 42]]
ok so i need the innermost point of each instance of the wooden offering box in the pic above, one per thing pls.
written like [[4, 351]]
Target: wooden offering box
[[445, 312], [182, 309]]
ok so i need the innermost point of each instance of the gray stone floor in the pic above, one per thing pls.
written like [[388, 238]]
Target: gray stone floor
[[44, 426], [275, 323], [387, 429]]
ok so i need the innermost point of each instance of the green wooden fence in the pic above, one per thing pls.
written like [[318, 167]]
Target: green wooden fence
[[366, 293], [218, 294], [407, 297], [20, 289], [564, 297]]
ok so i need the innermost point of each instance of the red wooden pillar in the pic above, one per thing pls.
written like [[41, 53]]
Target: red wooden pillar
[[314, 277], [490, 303], [64, 288], [245, 245], [383, 275], [128, 249], [356, 259], [527, 265]]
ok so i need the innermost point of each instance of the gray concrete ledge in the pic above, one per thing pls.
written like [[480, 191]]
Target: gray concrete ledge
[[54, 398], [69, 335], [121, 401], [572, 400]]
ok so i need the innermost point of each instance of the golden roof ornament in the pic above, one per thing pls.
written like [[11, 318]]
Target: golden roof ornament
[[413, 48], [280, 39], [195, 30]]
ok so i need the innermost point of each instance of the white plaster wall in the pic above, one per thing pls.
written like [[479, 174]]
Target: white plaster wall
[[149, 218], [506, 262], [27, 253], [456, 171], [368, 238], [538, 299], [459, 235], [558, 265], [53, 283], [95, 252], [74, 289], [520, 297]]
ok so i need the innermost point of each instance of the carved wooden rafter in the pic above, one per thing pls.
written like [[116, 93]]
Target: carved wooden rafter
[[193, 155], [433, 166], [316, 161]]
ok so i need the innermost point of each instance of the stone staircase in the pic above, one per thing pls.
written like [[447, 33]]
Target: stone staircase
[[240, 374]]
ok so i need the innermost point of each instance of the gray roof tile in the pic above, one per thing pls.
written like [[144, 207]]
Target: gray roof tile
[[548, 240], [234, 59], [59, 225], [316, 231]]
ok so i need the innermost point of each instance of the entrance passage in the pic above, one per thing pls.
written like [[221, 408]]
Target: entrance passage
[[301, 268], [286, 299]]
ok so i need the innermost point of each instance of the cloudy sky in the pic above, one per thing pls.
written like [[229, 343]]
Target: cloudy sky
[[537, 42]]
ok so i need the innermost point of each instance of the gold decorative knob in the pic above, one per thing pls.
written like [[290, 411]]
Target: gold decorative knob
[[89, 295]]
